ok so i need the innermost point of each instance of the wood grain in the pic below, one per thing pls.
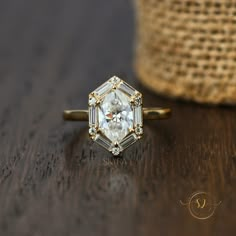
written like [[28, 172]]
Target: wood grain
[[53, 179]]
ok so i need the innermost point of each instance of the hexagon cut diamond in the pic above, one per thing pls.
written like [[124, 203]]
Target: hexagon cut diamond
[[116, 115]]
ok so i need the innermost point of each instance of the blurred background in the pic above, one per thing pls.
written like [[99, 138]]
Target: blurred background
[[186, 49], [54, 41], [54, 180]]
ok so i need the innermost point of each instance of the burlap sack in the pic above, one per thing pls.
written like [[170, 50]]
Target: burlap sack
[[187, 48]]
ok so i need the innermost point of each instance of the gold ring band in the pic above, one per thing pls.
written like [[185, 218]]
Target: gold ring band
[[154, 113]]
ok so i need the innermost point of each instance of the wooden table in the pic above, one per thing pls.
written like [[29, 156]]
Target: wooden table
[[54, 181]]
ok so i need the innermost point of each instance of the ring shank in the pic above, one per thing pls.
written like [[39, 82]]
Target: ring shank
[[75, 115], [154, 113]]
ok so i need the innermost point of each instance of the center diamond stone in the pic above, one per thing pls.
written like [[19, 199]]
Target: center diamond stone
[[115, 115]]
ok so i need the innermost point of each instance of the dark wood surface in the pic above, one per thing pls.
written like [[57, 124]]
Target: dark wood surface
[[53, 180]]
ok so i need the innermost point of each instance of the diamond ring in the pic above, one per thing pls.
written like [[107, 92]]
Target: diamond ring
[[115, 114]]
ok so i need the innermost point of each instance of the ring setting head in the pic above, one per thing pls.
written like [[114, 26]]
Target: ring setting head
[[115, 115]]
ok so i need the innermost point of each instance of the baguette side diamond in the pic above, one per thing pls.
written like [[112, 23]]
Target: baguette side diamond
[[127, 89], [103, 141], [103, 89], [129, 140], [92, 116], [138, 116]]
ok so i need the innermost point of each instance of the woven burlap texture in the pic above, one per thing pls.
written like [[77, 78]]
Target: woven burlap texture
[[187, 49]]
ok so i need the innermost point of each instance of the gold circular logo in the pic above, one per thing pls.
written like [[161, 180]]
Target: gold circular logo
[[201, 205]]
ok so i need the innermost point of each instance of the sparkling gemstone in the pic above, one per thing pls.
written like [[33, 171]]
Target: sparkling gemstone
[[92, 131], [92, 116], [139, 130], [115, 80], [129, 140], [138, 100], [115, 151], [92, 101], [127, 89], [103, 141], [138, 118], [116, 115], [103, 89]]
